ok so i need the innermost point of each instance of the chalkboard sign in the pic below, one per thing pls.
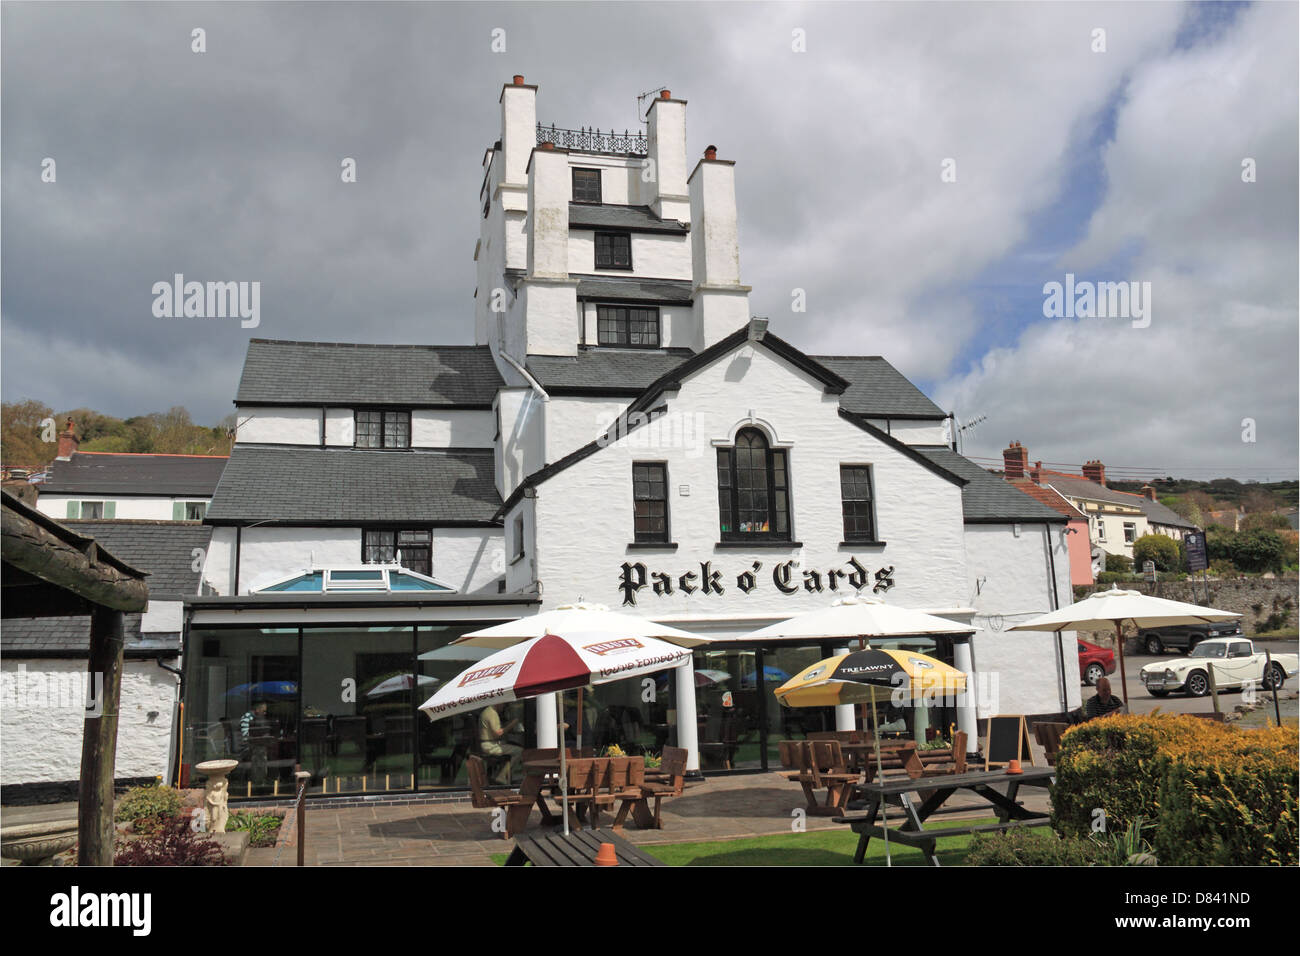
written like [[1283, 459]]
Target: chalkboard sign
[[1007, 740]]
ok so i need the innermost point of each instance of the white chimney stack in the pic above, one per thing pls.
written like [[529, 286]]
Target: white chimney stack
[[518, 129], [548, 296], [666, 192], [721, 302]]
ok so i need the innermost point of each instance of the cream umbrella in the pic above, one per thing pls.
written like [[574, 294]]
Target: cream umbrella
[[1104, 610]]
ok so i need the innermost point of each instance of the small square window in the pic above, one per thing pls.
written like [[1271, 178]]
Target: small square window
[[92, 509], [623, 325], [613, 250], [377, 428], [195, 510], [586, 185]]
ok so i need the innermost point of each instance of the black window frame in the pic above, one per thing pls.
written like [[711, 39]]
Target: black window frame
[[611, 263], [385, 415], [777, 486], [395, 545], [855, 535], [643, 474], [621, 325], [599, 185]]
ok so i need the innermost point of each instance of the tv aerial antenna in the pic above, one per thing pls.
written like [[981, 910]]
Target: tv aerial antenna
[[640, 100], [970, 426]]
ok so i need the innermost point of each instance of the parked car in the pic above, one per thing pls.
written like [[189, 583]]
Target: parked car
[[1235, 662], [1095, 662], [1185, 637]]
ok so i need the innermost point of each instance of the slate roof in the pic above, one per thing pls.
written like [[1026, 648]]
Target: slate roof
[[877, 389], [632, 288], [1075, 487], [351, 486], [1047, 496], [1162, 514], [631, 218], [340, 373], [987, 499], [100, 473], [162, 549], [43, 637], [605, 370]]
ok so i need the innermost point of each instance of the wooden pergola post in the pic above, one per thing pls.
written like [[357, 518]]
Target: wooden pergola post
[[99, 740]]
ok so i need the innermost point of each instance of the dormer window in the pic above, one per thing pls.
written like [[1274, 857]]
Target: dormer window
[[613, 250], [586, 185], [383, 428]]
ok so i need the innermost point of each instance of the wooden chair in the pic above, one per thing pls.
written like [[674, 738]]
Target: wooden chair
[[790, 760], [584, 776], [669, 781], [517, 806], [825, 768], [1048, 734], [617, 785]]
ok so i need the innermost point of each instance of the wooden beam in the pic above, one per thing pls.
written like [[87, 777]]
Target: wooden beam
[[36, 550], [95, 831]]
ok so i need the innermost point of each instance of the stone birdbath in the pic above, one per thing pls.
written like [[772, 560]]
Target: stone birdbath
[[215, 792], [36, 844]]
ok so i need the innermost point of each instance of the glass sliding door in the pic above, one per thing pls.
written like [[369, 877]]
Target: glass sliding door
[[780, 663], [242, 691], [730, 709], [359, 691]]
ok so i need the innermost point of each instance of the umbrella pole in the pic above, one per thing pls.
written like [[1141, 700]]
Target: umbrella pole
[[564, 772], [1119, 642], [579, 718], [880, 775]]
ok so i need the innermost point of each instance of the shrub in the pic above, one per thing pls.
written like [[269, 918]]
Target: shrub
[[1119, 562], [148, 809], [1031, 848], [1116, 577], [1159, 548], [1228, 797], [174, 844], [1217, 794], [262, 828], [1258, 551]]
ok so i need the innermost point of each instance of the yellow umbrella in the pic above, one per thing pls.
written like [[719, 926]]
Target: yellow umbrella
[[872, 674]]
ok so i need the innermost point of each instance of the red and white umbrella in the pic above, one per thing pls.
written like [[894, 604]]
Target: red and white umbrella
[[544, 665]]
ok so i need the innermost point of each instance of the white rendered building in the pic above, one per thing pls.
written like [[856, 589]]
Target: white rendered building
[[623, 432]]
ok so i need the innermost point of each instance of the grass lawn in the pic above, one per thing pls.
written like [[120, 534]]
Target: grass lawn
[[812, 848]]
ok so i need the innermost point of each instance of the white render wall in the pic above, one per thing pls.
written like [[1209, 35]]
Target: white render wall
[[268, 554], [919, 512], [1010, 583], [126, 507], [43, 716], [430, 428], [916, 433], [653, 255]]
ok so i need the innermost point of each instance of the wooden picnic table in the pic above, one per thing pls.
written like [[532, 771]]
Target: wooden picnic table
[[577, 849], [938, 789], [546, 776]]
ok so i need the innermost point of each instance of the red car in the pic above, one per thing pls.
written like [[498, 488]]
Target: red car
[[1094, 662]]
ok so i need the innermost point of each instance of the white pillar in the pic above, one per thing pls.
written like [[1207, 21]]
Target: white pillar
[[688, 731], [546, 722], [846, 717], [962, 660]]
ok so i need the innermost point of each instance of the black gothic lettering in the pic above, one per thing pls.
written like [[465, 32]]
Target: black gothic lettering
[[812, 581], [631, 580], [781, 578], [746, 581], [710, 579], [663, 584], [684, 583], [833, 580], [884, 580], [857, 575]]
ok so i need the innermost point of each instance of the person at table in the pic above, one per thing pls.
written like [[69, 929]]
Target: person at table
[[254, 719], [1104, 704], [491, 735]]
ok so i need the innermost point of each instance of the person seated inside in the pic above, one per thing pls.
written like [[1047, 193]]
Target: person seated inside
[[254, 720], [1103, 704], [492, 741]]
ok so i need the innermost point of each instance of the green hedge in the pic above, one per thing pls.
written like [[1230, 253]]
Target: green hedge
[[1217, 794]]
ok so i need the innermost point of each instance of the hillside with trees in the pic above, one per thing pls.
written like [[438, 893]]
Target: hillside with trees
[[171, 432]]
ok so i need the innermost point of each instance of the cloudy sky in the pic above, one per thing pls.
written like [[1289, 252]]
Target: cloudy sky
[[920, 170]]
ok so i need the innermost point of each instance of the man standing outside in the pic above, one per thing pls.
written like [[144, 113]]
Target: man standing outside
[[491, 741], [1103, 704]]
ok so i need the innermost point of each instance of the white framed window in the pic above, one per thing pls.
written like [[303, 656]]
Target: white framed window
[[1130, 532]]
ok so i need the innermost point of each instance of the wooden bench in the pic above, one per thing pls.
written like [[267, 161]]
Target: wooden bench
[[517, 806], [658, 784], [925, 840]]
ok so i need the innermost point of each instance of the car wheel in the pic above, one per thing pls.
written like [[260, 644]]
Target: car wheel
[[1198, 684], [1154, 645], [1158, 693], [1093, 673], [1275, 678]]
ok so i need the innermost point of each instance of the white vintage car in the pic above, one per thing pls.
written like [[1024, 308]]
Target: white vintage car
[[1235, 661]]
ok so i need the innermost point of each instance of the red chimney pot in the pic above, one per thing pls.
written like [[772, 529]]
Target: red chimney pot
[[546, 146], [665, 94], [711, 152], [519, 79]]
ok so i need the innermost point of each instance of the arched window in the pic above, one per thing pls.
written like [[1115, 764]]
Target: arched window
[[753, 490]]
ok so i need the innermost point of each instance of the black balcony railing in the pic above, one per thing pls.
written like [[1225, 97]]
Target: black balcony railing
[[594, 141]]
